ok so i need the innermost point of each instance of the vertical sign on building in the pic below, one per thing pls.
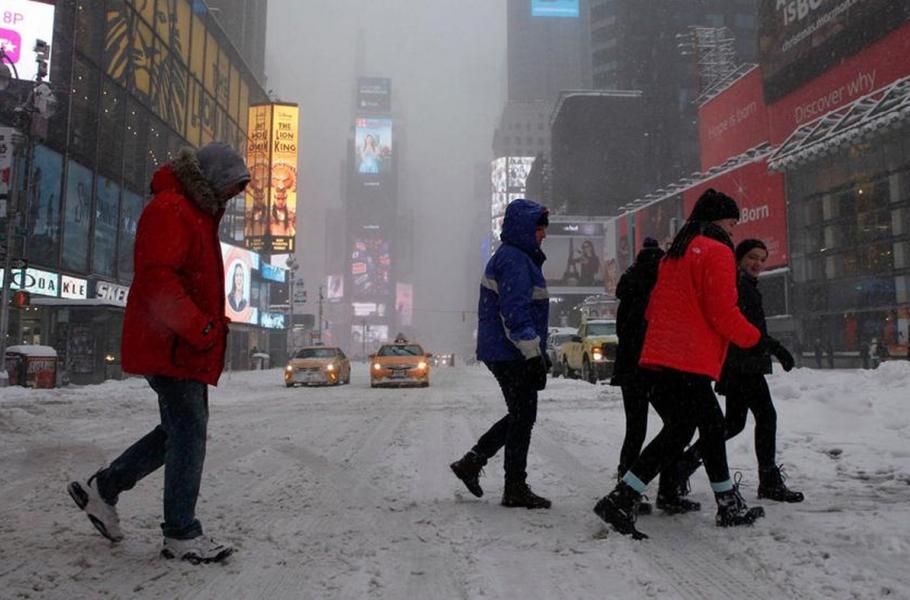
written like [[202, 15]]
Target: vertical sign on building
[[271, 196]]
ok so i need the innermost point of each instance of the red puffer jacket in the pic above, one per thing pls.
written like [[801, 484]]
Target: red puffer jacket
[[692, 314], [178, 287]]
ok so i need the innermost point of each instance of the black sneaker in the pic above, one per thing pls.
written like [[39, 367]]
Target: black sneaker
[[732, 510], [519, 495], [619, 508], [469, 468], [771, 486]]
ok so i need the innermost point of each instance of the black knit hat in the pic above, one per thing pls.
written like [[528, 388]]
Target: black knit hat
[[650, 243], [744, 247], [544, 219], [714, 206]]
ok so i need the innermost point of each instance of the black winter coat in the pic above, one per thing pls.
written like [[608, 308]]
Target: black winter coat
[[756, 360], [633, 291]]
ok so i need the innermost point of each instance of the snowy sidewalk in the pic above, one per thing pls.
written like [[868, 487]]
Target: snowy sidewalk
[[346, 493]]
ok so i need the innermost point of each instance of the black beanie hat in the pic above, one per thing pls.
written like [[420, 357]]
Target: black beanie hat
[[544, 219], [650, 243], [744, 247], [714, 206]]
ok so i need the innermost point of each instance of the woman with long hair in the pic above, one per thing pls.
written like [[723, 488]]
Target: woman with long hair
[[692, 316]]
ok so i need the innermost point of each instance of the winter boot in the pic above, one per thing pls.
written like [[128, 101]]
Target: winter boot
[[685, 467], [102, 515], [644, 505], [669, 498], [200, 549], [469, 468], [619, 508], [771, 486], [732, 510], [519, 495]]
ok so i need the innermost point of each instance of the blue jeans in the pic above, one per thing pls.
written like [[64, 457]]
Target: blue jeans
[[178, 444]]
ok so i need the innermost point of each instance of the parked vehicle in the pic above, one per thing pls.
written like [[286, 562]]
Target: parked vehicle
[[318, 365], [591, 352], [557, 336]]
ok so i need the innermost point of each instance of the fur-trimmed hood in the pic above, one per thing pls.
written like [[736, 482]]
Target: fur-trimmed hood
[[202, 174]]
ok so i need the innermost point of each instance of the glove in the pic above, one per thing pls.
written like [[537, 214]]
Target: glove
[[536, 372], [782, 354], [549, 362]]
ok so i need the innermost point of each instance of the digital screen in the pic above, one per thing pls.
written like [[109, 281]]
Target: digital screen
[[374, 94], [573, 261], [239, 265], [372, 334], [404, 303], [368, 309], [334, 287], [23, 23], [272, 320], [555, 8], [519, 167], [373, 146], [273, 273], [370, 265]]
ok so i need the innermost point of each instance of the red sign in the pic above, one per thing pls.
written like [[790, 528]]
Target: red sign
[[877, 66], [760, 196], [657, 221], [733, 121]]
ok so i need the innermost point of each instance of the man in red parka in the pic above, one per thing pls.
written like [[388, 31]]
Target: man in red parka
[[174, 333], [692, 317]]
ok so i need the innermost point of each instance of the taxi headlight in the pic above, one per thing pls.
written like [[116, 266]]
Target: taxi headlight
[[421, 365], [330, 367], [376, 366], [289, 368]]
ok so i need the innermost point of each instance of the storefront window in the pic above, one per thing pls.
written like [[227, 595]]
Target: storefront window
[[44, 207], [107, 201], [77, 217], [130, 211]]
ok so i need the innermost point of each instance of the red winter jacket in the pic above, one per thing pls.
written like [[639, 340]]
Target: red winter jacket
[[692, 313], [178, 287]]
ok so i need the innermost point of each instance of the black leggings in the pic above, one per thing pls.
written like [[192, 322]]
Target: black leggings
[[635, 403], [750, 392], [685, 402]]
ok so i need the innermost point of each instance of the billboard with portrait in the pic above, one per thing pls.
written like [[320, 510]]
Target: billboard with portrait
[[374, 94], [24, 22], [334, 287], [370, 265], [270, 223], [800, 39], [373, 146], [239, 265], [574, 252], [566, 9]]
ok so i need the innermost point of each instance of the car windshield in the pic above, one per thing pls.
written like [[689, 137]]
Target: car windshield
[[316, 353], [602, 328], [401, 350]]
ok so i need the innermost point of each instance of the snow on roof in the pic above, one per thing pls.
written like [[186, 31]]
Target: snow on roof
[[33, 350]]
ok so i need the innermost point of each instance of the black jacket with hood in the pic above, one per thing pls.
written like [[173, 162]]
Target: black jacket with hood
[[633, 291]]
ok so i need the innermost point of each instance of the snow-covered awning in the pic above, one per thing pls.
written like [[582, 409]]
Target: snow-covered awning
[[870, 115]]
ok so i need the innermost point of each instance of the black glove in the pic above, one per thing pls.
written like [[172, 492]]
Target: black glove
[[536, 372], [782, 354], [549, 362]]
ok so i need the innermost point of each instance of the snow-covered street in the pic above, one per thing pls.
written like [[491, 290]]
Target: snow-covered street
[[346, 493]]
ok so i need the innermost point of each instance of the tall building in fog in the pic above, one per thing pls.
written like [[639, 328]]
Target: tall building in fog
[[634, 46], [245, 23]]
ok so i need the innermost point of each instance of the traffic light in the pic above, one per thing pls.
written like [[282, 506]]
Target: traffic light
[[42, 53], [20, 299]]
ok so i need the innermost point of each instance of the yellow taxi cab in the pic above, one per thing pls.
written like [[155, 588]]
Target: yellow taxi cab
[[400, 364], [318, 365]]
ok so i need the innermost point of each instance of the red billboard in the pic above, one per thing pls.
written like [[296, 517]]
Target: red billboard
[[733, 121], [659, 221], [760, 195], [880, 64]]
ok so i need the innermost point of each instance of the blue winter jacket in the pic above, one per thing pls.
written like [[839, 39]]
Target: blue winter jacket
[[514, 306]]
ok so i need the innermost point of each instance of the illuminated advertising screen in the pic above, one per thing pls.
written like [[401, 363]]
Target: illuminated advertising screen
[[271, 196], [660, 221], [374, 94], [404, 303], [519, 168], [371, 334], [733, 121], [34, 281], [508, 176], [370, 265], [23, 23], [566, 9], [273, 273], [373, 146], [574, 252], [272, 320], [334, 287], [239, 265], [800, 39]]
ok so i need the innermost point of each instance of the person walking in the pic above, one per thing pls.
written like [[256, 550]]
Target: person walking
[[632, 291], [175, 334], [743, 382], [692, 317], [513, 312]]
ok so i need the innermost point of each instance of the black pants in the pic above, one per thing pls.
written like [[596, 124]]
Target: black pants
[[513, 430], [685, 402], [747, 392], [635, 401]]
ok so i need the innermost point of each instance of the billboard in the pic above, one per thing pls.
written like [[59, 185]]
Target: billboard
[[404, 303], [369, 334], [574, 252], [733, 121], [566, 9], [239, 265], [373, 146], [760, 195], [23, 23], [34, 281], [370, 265], [660, 220], [800, 39], [272, 320], [374, 94], [270, 223], [508, 177]]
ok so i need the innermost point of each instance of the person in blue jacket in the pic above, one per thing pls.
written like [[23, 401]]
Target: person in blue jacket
[[513, 314]]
